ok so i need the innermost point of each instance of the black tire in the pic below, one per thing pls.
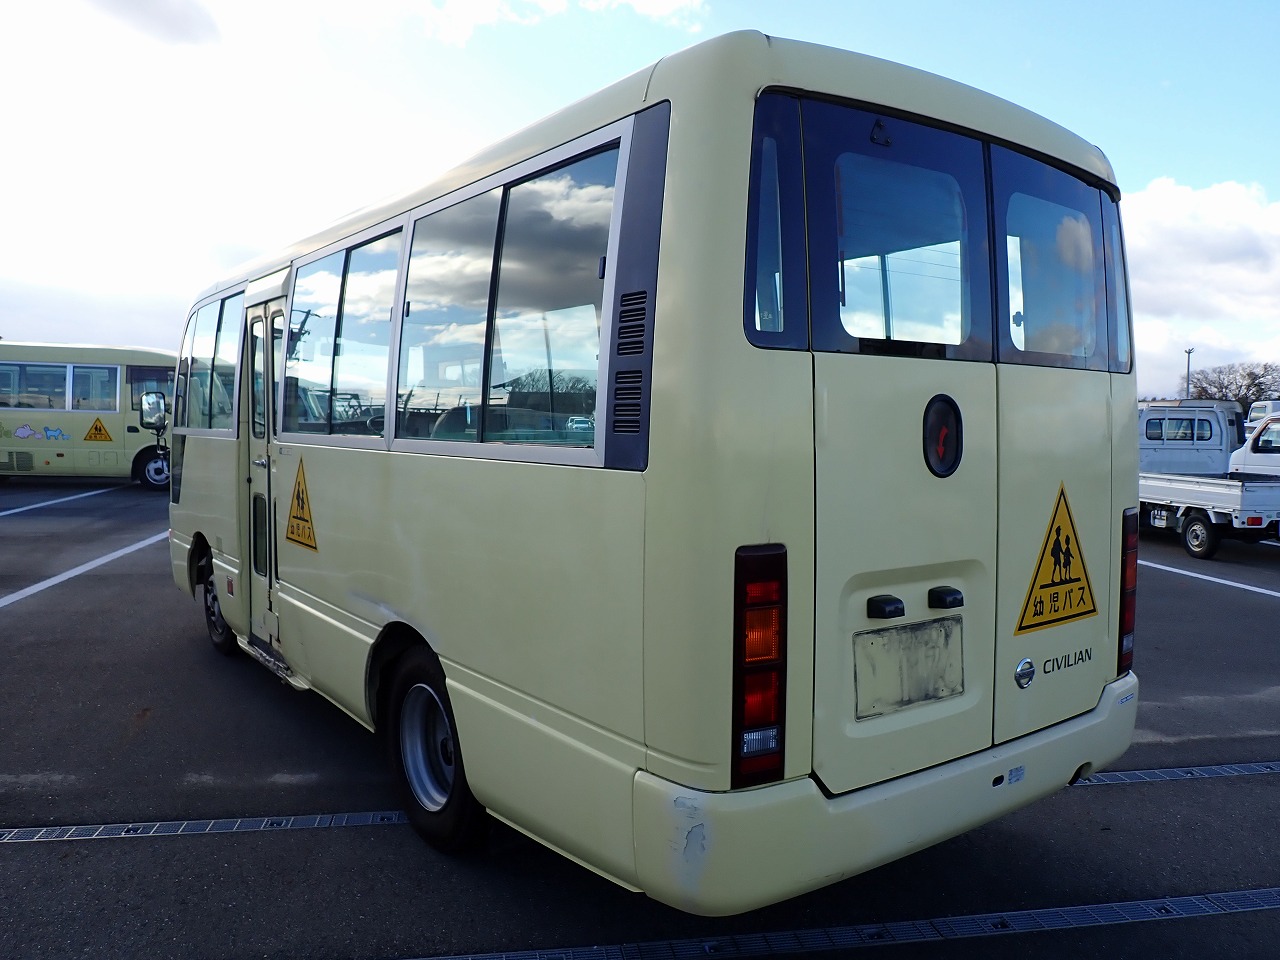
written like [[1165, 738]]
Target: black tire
[[1200, 538], [221, 635], [426, 760], [152, 469]]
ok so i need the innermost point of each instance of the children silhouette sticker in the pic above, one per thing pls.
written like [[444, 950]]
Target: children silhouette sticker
[[1059, 590], [301, 530]]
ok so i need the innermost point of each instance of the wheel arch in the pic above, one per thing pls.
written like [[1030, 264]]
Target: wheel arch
[[199, 554], [392, 643]]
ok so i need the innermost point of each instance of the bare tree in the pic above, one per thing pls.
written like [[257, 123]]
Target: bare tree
[[1242, 382]]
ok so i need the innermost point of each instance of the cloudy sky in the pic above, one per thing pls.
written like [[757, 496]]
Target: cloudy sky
[[151, 145]]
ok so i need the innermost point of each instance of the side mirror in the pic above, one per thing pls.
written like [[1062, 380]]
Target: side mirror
[[152, 416]]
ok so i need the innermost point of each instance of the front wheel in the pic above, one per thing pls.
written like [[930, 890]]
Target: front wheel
[[153, 469], [426, 761], [221, 635], [1199, 537]]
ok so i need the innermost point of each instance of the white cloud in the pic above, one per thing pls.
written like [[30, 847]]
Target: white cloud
[[1204, 270], [170, 21], [454, 21], [685, 14]]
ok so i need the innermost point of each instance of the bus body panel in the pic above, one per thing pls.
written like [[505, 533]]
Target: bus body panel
[[1056, 435], [470, 571], [563, 781], [208, 506], [723, 853], [896, 695]]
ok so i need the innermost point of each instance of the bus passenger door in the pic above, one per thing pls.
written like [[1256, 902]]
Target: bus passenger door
[[263, 621]]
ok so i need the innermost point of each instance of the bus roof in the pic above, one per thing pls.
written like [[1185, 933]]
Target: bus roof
[[62, 352], [729, 67]]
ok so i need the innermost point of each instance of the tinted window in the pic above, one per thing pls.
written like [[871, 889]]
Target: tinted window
[[94, 387], [200, 388], [313, 326], [339, 340], [545, 345], [40, 386], [897, 230], [223, 363], [361, 362], [902, 250], [447, 304], [1117, 291], [148, 379], [776, 296], [1204, 430], [1050, 265], [1154, 429]]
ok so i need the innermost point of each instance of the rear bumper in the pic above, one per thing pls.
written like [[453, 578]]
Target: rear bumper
[[722, 853]]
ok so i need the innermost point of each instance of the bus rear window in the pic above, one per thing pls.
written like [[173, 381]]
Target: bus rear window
[[886, 234], [1053, 289]]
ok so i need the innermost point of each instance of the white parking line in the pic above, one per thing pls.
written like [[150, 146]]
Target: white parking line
[[1201, 576], [83, 568], [49, 503]]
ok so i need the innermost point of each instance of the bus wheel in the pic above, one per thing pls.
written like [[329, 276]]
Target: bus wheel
[[152, 469], [220, 634], [1199, 536], [426, 762]]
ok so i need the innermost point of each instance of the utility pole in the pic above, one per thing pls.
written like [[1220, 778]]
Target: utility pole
[[1189, 351]]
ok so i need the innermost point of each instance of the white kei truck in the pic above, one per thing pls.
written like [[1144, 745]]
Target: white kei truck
[[1189, 481]]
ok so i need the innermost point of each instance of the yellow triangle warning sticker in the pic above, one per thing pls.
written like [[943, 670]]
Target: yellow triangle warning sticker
[[98, 431], [1059, 589], [300, 529]]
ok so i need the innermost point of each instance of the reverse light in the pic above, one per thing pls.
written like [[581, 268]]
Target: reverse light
[[1128, 589], [759, 664]]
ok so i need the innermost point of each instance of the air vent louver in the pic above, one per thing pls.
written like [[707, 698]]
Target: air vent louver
[[632, 314]]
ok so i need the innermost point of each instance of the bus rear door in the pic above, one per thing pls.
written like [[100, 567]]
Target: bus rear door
[[905, 445]]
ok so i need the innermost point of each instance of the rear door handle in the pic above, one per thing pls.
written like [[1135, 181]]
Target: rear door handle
[[261, 462], [885, 607]]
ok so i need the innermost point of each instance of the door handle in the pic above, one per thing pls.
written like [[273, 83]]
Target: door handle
[[261, 462]]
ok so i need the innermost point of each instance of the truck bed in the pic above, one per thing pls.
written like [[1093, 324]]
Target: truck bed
[[1238, 495]]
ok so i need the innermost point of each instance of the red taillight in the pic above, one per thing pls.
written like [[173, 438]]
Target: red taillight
[[1128, 590], [1253, 521], [759, 663]]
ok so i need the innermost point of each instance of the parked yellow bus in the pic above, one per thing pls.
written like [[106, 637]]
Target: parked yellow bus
[[729, 481], [72, 410]]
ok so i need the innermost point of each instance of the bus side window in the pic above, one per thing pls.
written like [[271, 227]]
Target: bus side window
[[309, 358], [364, 337], [545, 348], [222, 362], [775, 312], [446, 306], [340, 340]]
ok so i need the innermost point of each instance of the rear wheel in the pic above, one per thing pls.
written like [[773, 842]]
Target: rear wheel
[[1199, 537], [426, 761], [221, 635]]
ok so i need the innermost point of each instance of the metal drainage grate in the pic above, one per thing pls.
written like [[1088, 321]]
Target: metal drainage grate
[[919, 931], [1181, 773], [191, 827]]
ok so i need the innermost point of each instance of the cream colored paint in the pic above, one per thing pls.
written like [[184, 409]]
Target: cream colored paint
[[583, 617]]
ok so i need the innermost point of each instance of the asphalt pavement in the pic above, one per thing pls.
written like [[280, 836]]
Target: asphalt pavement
[[249, 820]]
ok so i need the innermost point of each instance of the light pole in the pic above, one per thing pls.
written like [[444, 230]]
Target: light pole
[[1189, 351]]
